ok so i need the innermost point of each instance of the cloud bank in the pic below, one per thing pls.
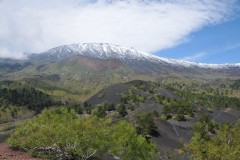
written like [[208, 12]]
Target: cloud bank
[[147, 25]]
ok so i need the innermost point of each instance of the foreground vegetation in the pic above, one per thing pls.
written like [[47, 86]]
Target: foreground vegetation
[[122, 130], [212, 141], [61, 133]]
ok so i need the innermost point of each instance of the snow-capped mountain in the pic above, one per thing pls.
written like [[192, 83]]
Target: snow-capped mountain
[[126, 55], [99, 50], [99, 60]]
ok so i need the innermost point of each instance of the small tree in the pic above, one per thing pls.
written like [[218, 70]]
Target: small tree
[[145, 124], [121, 109], [110, 107], [99, 111]]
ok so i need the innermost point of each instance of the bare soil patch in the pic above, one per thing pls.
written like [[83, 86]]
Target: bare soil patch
[[7, 153]]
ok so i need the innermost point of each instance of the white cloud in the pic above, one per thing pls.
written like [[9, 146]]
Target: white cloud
[[148, 25], [5, 53], [194, 57]]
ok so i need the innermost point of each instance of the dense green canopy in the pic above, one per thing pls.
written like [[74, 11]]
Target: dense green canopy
[[224, 145], [62, 133]]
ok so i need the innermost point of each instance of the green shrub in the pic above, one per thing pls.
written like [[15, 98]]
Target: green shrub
[[223, 145], [163, 117], [62, 134], [145, 123], [121, 109], [99, 111]]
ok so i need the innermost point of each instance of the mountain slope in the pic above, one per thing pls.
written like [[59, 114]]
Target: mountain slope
[[141, 62], [110, 51], [89, 67], [77, 73]]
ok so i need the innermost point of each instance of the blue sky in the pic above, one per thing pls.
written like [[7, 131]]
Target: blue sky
[[194, 30], [213, 44]]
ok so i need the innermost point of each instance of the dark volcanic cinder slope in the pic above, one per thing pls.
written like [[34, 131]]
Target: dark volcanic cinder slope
[[112, 94], [227, 115], [171, 135], [171, 132]]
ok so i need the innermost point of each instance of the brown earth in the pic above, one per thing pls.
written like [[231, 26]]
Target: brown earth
[[94, 64], [8, 154]]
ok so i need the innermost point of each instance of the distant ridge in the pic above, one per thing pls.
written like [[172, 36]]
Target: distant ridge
[[111, 51]]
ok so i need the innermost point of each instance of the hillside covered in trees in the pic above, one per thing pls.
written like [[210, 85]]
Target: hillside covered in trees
[[18, 101], [165, 119]]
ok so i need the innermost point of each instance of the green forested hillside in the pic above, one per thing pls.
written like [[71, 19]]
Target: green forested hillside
[[236, 85], [163, 112], [20, 101]]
